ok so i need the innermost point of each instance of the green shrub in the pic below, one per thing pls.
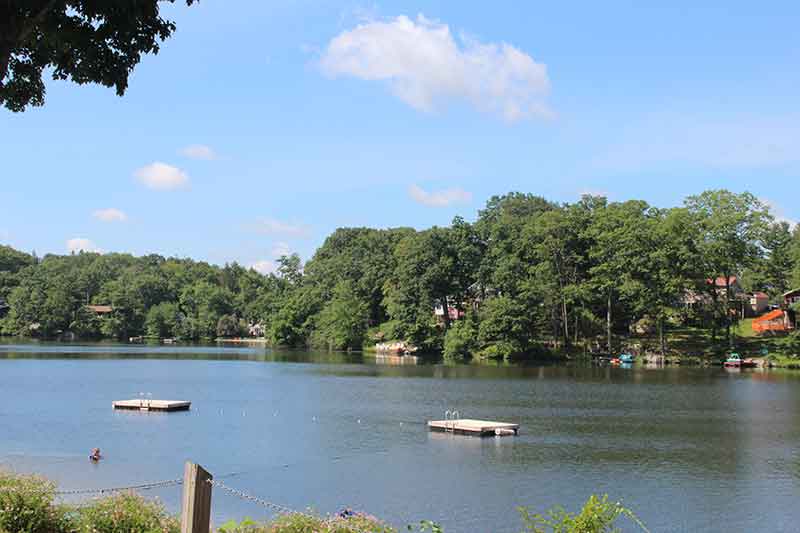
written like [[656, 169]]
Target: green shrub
[[791, 343], [500, 350], [504, 330], [460, 341], [26, 506], [305, 523], [426, 525], [387, 331], [597, 516], [125, 513]]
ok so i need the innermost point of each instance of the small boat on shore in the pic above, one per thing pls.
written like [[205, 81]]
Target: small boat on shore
[[734, 360], [623, 359]]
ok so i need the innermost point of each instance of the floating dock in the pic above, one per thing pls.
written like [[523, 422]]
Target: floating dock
[[152, 405], [478, 428]]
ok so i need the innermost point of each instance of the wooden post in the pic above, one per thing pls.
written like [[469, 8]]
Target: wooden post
[[196, 508]]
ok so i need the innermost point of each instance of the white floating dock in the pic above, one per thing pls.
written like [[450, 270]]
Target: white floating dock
[[152, 405], [479, 428]]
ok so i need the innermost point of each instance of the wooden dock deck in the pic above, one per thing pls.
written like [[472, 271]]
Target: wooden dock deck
[[478, 428], [152, 405]]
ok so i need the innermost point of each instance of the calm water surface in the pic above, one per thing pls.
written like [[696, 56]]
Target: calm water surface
[[687, 449]]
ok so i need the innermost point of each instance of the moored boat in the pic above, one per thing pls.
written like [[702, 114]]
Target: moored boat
[[623, 359], [626, 358], [734, 360]]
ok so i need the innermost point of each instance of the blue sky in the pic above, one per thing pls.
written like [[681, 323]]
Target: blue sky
[[260, 129]]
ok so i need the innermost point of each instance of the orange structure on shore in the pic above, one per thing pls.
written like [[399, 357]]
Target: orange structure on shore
[[776, 320]]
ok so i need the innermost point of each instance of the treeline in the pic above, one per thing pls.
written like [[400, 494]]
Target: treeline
[[526, 275]]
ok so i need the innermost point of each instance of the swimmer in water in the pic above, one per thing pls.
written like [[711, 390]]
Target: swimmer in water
[[95, 455]]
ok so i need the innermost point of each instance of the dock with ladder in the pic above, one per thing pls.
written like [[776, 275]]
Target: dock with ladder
[[453, 423], [141, 404]]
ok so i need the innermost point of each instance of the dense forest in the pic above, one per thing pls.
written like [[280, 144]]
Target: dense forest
[[527, 276]]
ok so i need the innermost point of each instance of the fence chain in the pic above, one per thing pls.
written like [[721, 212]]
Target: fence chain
[[255, 499], [143, 486], [110, 490]]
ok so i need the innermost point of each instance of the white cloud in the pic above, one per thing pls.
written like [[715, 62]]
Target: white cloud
[[161, 176], [199, 151], [265, 266], [271, 226], [443, 198], [778, 212], [586, 191], [77, 244], [423, 64], [110, 215], [269, 266]]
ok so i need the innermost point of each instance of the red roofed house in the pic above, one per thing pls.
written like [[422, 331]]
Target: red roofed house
[[694, 299], [792, 297], [719, 283], [744, 305]]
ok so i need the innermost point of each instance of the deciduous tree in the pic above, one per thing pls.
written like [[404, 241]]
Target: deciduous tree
[[85, 41]]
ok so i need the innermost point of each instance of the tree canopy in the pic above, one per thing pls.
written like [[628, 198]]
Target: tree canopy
[[85, 41], [526, 276]]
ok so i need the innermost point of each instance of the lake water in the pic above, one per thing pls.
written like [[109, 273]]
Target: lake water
[[688, 449]]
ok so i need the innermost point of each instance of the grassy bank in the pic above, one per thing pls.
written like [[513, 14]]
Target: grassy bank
[[783, 361]]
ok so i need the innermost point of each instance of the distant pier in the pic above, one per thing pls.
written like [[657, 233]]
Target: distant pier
[[478, 428], [152, 405]]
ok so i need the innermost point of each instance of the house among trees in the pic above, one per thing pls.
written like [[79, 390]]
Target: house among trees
[[452, 312], [256, 329], [791, 303], [743, 304], [694, 299], [791, 298], [100, 310], [720, 285], [759, 303]]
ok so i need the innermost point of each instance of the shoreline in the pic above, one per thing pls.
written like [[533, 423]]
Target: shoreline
[[775, 360], [242, 340]]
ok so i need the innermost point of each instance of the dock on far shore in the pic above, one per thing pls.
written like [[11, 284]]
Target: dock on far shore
[[478, 428], [152, 405]]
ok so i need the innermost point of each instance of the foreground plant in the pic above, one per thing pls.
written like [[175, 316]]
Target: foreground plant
[[427, 525], [597, 516], [125, 513], [26, 505], [306, 523]]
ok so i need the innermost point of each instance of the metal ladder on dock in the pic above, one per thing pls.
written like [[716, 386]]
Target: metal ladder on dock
[[450, 418]]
